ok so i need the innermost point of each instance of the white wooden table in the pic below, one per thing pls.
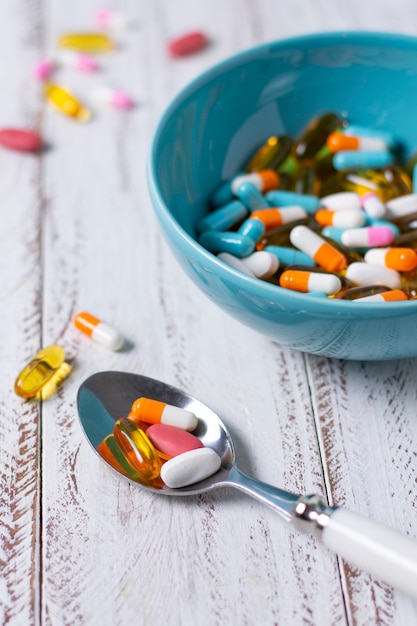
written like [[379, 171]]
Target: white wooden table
[[78, 232]]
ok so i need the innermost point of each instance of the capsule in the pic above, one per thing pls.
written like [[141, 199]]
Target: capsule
[[81, 62], [342, 201], [39, 371], [375, 133], [373, 205], [114, 98], [324, 254], [264, 180], [110, 451], [190, 467], [273, 218], [249, 195], [340, 219], [400, 259], [364, 274], [289, 256], [172, 441], [51, 386], [157, 412], [98, 331], [223, 218], [306, 282], [271, 154], [112, 20], [393, 295], [224, 193], [361, 159], [87, 42], [21, 140], [235, 262], [189, 43], [315, 135], [401, 206], [367, 237], [340, 141], [227, 241], [280, 198], [137, 448], [261, 264], [66, 103], [252, 228], [353, 293]]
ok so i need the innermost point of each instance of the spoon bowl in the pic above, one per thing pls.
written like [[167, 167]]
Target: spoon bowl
[[106, 397]]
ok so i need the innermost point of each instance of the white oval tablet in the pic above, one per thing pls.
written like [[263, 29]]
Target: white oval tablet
[[190, 467]]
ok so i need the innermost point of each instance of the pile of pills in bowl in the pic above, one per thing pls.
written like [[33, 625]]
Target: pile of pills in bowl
[[331, 213], [155, 445]]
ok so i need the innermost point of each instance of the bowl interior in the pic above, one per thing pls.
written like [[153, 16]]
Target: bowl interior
[[216, 123]]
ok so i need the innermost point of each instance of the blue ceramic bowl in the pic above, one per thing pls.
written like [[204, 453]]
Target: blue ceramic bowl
[[214, 125]]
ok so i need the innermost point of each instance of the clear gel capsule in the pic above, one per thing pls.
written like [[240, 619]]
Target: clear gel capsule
[[137, 448], [98, 331], [39, 371], [110, 451], [323, 253], [66, 103], [271, 154], [51, 386], [157, 412], [306, 282], [315, 135], [365, 274], [86, 42], [190, 467]]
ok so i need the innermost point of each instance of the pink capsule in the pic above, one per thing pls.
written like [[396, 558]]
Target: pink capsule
[[187, 44], [171, 440], [113, 97], [43, 69], [20, 140]]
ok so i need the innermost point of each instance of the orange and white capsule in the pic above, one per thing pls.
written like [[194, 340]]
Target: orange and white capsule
[[393, 295], [306, 282], [323, 253], [99, 331], [264, 180], [157, 412], [340, 219], [274, 218], [400, 259], [339, 141]]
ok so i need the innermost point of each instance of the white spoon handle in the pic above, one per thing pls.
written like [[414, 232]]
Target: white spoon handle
[[376, 549]]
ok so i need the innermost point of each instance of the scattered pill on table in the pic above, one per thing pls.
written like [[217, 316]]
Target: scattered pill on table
[[99, 331], [36, 374], [190, 43]]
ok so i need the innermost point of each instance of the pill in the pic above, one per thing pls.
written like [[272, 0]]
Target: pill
[[251, 196], [187, 44], [365, 131], [274, 218], [401, 206], [364, 274], [289, 256], [137, 448], [342, 200], [171, 440], [223, 194], [393, 295], [323, 253], [299, 280], [340, 219], [283, 198], [39, 371], [315, 135], [400, 259], [368, 236], [373, 205], [252, 228], [65, 102], [361, 159], [78, 61], [112, 20], [98, 331], [235, 262], [86, 42], [264, 180], [115, 98], [43, 69], [110, 451], [51, 386], [157, 412], [190, 467], [20, 140], [223, 218], [271, 154], [262, 263], [340, 141], [227, 241]]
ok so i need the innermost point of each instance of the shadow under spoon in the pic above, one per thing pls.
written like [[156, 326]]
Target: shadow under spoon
[[383, 552]]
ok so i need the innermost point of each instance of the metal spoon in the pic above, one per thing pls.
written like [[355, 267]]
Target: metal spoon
[[385, 553]]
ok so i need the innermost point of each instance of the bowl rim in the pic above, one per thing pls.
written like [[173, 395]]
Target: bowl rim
[[255, 286]]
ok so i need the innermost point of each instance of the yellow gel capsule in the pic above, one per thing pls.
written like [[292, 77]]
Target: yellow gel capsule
[[137, 448], [39, 371], [86, 42], [271, 154], [65, 102], [56, 379]]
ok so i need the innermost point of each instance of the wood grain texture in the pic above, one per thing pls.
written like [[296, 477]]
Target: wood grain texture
[[79, 545]]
